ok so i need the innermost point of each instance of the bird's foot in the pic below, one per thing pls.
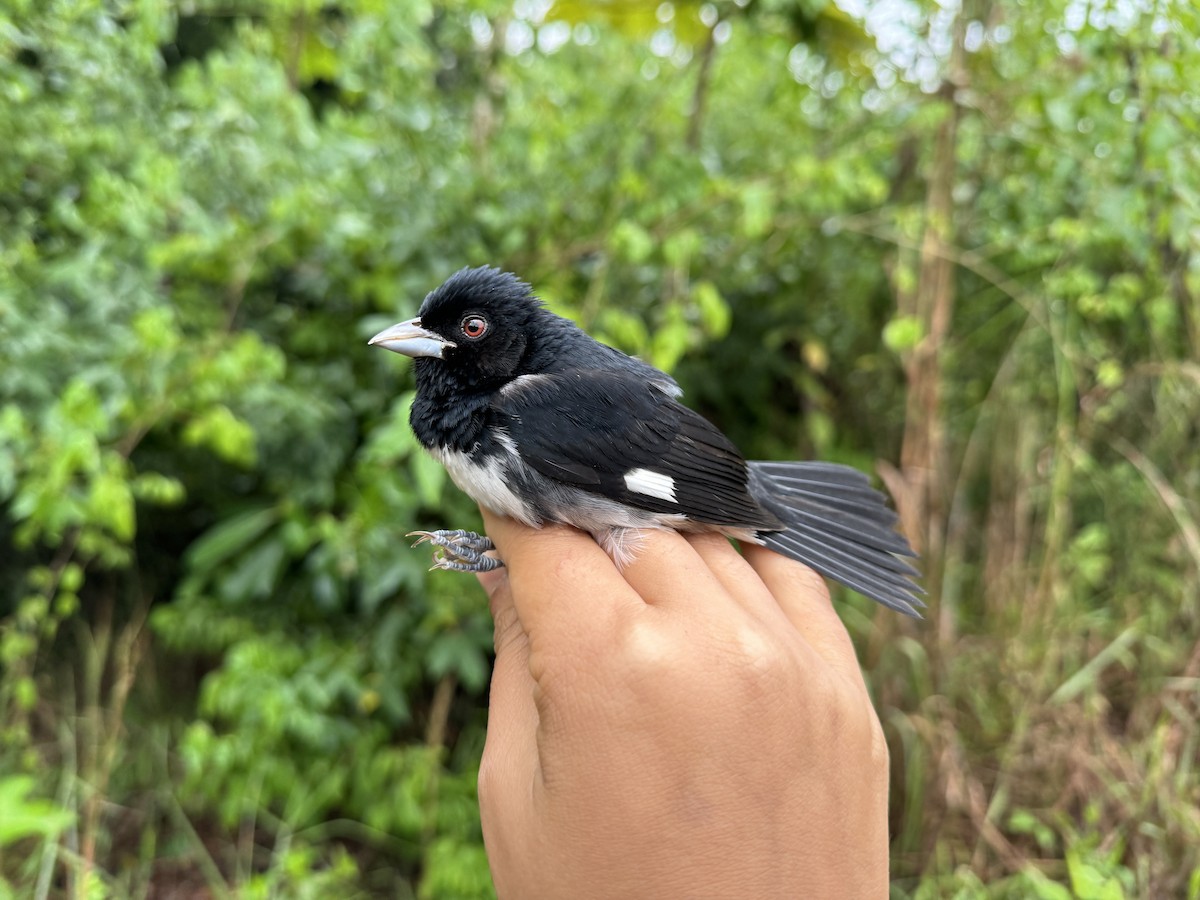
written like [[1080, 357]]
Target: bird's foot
[[459, 551]]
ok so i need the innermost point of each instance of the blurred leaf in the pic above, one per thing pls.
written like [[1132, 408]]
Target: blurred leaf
[[1045, 889], [757, 209], [219, 429], [1089, 882], [231, 537], [22, 817], [429, 477], [902, 334], [633, 18], [1117, 651], [158, 489], [631, 241], [456, 653], [714, 311]]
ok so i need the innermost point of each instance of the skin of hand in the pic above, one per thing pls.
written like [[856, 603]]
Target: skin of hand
[[695, 726]]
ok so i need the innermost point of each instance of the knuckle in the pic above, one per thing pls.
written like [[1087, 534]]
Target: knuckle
[[836, 715], [879, 753], [763, 670], [644, 646], [491, 773], [851, 724]]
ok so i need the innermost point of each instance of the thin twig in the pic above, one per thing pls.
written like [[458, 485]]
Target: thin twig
[[700, 96], [1170, 497]]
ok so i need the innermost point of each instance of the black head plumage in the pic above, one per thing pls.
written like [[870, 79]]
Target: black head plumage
[[490, 317], [480, 285]]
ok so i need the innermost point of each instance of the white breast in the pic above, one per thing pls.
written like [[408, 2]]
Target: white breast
[[485, 482]]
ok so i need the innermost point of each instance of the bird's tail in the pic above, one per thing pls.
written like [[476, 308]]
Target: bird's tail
[[839, 525]]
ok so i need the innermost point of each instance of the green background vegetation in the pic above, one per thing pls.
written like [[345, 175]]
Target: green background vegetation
[[960, 249]]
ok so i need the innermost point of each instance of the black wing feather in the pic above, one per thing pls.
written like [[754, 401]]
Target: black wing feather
[[590, 428], [840, 526]]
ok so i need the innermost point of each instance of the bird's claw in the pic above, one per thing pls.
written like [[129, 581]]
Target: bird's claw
[[458, 550]]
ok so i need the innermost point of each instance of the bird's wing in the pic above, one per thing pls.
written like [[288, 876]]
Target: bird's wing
[[624, 438]]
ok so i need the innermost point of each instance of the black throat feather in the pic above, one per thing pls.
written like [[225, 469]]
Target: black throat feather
[[449, 411]]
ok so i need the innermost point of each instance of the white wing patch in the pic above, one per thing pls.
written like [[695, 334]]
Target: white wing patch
[[652, 484]]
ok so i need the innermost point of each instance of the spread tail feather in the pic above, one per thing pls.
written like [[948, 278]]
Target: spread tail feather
[[840, 526]]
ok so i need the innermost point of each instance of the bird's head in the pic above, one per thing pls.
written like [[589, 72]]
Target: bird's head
[[476, 326]]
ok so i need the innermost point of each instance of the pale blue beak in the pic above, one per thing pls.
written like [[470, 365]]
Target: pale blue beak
[[410, 339]]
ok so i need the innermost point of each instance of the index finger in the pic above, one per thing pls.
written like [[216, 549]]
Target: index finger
[[564, 587]]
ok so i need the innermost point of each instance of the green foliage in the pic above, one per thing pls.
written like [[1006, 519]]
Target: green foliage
[[23, 817], [219, 654]]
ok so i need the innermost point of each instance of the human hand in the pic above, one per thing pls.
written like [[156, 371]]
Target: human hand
[[695, 726]]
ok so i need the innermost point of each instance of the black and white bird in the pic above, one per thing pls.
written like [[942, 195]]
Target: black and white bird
[[536, 420]]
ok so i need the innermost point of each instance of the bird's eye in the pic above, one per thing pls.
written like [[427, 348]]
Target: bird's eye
[[474, 326]]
